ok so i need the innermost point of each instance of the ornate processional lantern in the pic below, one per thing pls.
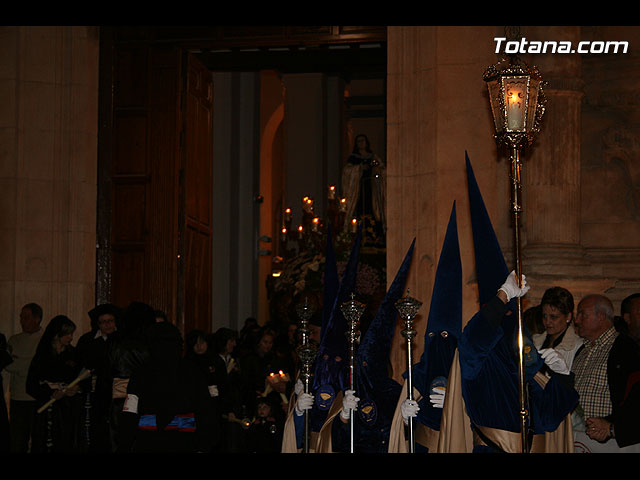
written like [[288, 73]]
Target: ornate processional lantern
[[517, 105]]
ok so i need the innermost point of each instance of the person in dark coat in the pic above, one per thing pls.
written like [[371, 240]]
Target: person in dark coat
[[204, 362], [55, 365], [233, 408], [127, 353], [166, 403], [93, 350], [265, 432], [5, 359]]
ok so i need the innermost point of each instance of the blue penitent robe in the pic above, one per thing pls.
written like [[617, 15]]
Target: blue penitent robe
[[489, 368], [377, 391], [440, 354]]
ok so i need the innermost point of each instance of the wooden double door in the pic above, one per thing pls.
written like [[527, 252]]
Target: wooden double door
[[155, 181]]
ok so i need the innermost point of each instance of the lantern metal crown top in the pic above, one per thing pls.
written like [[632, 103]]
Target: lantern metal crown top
[[517, 101]]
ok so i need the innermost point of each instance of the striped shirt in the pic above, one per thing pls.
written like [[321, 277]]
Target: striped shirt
[[590, 369]]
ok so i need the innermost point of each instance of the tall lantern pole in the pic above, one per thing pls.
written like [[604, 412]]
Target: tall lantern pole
[[408, 309], [307, 352], [352, 311], [517, 105]]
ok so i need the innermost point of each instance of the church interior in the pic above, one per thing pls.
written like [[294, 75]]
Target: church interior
[[161, 164]]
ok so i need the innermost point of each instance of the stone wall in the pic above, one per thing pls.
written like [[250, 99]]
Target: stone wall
[[48, 158]]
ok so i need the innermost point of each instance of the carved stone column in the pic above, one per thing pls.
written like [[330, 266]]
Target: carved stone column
[[552, 179], [552, 249]]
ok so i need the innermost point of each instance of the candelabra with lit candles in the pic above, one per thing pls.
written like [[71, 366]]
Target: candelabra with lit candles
[[310, 233]]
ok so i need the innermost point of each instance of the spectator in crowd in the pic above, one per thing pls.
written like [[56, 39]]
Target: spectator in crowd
[[630, 313], [205, 364], [557, 316], [5, 359], [607, 378], [22, 347], [167, 399], [55, 365], [93, 350], [265, 432]]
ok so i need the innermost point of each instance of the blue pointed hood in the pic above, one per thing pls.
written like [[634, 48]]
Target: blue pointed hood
[[444, 324], [377, 391], [331, 282], [491, 268], [373, 352], [334, 343]]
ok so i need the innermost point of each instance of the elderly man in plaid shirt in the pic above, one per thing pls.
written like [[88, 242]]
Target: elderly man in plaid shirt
[[607, 379]]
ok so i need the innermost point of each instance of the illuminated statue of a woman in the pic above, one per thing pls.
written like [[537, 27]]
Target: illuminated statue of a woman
[[364, 186]]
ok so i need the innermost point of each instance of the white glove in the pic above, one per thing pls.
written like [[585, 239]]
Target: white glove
[[213, 390], [298, 388], [349, 403], [305, 402], [409, 408], [511, 288], [555, 362], [437, 398]]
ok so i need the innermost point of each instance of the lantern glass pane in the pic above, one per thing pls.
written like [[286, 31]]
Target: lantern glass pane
[[495, 97], [515, 102], [534, 87]]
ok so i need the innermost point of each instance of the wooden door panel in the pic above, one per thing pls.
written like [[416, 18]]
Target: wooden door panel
[[164, 125], [198, 165], [144, 176], [131, 148], [127, 269], [197, 280], [160, 183], [129, 212]]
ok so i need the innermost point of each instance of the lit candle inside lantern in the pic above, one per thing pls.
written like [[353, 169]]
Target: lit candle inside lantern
[[332, 192], [283, 233], [354, 225], [343, 204], [287, 214], [300, 229], [314, 225], [515, 105]]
